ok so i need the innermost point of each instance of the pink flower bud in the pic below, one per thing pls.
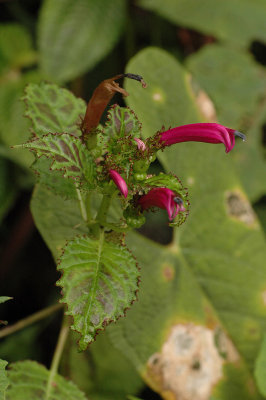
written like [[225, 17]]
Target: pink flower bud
[[119, 181]]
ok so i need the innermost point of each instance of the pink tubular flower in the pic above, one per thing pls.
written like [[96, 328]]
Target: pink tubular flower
[[201, 132], [119, 181], [141, 145], [162, 198]]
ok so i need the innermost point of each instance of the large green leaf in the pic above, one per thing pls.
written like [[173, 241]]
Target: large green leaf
[[3, 379], [236, 88], [67, 154], [99, 282], [260, 370], [53, 110], [28, 380], [74, 36], [221, 243], [235, 21]]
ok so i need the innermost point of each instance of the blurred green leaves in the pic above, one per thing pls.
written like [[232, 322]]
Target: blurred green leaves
[[234, 21], [75, 35]]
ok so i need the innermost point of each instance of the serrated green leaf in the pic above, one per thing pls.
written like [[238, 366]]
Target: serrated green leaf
[[68, 154], [3, 299], [28, 380], [260, 368], [53, 109], [3, 379], [74, 36], [99, 282], [121, 122], [223, 19], [15, 48]]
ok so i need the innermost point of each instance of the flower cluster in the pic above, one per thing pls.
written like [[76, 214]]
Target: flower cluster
[[125, 157]]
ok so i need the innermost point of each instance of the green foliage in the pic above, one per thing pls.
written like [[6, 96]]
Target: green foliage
[[3, 379], [28, 380], [7, 190], [68, 154], [15, 48], [99, 281], [53, 109], [260, 368], [238, 22], [121, 121], [198, 244], [74, 36], [3, 299]]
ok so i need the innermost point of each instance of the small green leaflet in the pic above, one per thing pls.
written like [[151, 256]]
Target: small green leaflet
[[99, 282], [28, 381], [69, 155], [3, 379], [122, 121]]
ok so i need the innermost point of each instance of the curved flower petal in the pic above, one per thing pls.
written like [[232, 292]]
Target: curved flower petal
[[163, 198], [201, 132], [119, 181]]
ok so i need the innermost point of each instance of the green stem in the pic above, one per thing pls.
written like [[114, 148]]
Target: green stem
[[57, 355], [23, 323], [88, 206], [82, 205], [102, 212]]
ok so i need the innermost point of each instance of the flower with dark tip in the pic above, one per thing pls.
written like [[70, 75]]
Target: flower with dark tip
[[119, 182], [201, 132], [163, 198]]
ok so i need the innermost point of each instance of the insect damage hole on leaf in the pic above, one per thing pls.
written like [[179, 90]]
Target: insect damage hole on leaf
[[190, 363], [238, 207]]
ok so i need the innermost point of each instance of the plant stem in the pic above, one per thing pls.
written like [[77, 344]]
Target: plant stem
[[105, 204], [82, 205], [88, 206], [57, 355], [30, 320]]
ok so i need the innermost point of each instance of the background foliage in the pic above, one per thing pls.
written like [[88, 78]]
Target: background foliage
[[200, 65]]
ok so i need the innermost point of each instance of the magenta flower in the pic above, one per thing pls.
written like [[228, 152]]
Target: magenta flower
[[201, 132], [163, 198], [119, 181]]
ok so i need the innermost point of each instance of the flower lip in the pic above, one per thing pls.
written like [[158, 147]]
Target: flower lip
[[119, 182], [163, 198], [201, 132]]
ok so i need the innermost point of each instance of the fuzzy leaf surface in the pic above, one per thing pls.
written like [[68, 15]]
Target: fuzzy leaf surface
[[223, 19], [99, 282], [122, 121], [68, 154], [3, 379], [52, 109], [74, 36], [28, 380]]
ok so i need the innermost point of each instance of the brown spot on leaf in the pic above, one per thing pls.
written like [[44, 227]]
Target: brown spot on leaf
[[238, 207], [168, 272], [189, 364]]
